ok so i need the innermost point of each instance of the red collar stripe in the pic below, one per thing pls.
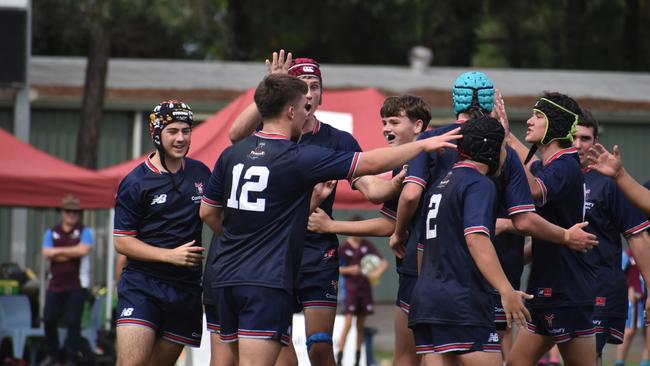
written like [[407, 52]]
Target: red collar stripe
[[570, 150]]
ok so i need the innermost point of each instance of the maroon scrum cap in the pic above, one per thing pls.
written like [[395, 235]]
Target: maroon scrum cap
[[305, 66]]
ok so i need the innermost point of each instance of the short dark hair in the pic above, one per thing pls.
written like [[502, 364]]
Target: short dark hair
[[415, 108], [276, 91], [587, 120]]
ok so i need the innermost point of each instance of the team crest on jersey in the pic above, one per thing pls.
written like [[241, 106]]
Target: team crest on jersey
[[199, 187], [443, 183], [601, 301], [258, 151], [329, 254]]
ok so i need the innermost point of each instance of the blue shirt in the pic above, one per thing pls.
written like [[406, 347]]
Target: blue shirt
[[560, 276], [463, 202], [610, 214], [149, 208], [85, 238], [264, 184]]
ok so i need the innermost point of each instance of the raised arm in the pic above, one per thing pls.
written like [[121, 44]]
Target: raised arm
[[612, 165], [248, 120]]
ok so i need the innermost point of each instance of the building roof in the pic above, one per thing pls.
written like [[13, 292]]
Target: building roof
[[240, 76]]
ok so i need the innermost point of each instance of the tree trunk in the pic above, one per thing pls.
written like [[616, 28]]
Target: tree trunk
[[92, 104]]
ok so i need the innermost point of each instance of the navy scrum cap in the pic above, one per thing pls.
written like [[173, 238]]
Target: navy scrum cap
[[481, 141]]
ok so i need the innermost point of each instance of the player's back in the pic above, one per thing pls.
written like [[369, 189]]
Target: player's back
[[461, 203], [264, 185]]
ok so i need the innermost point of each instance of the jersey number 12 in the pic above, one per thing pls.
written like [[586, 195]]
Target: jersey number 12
[[259, 185]]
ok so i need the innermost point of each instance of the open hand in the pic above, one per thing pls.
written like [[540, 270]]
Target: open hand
[[278, 64]]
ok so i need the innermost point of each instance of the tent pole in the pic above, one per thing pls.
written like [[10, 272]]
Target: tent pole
[[110, 270]]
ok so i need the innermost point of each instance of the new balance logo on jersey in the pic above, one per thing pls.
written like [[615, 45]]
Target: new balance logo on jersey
[[157, 199], [126, 312], [494, 338]]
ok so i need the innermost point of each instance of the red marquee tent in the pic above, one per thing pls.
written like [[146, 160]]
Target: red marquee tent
[[33, 178], [356, 111]]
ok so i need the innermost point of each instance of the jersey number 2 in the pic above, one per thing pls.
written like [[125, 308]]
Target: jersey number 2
[[262, 174], [434, 204]]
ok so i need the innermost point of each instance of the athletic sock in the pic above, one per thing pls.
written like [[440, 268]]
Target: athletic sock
[[620, 363], [357, 357], [339, 358], [642, 363]]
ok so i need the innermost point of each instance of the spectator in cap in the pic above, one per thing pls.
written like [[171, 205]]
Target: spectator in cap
[[66, 246]]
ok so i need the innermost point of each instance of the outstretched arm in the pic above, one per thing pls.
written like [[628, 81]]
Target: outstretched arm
[[378, 190], [530, 223], [320, 222], [386, 158]]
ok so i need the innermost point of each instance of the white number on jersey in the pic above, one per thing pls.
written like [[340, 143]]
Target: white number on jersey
[[258, 185], [434, 204]]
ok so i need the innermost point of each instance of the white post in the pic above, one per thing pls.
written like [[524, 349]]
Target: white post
[[110, 270], [136, 144]]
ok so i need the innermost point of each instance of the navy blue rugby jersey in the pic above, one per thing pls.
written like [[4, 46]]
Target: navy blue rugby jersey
[[423, 169], [610, 214], [560, 276], [149, 208], [514, 193], [451, 289], [321, 250], [514, 197], [264, 184]]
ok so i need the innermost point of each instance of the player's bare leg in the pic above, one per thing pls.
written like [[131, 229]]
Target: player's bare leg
[[220, 353], [258, 352], [134, 345], [481, 359], [404, 341], [506, 337], [528, 348], [361, 325], [165, 353], [287, 356], [319, 320], [579, 351], [435, 359]]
